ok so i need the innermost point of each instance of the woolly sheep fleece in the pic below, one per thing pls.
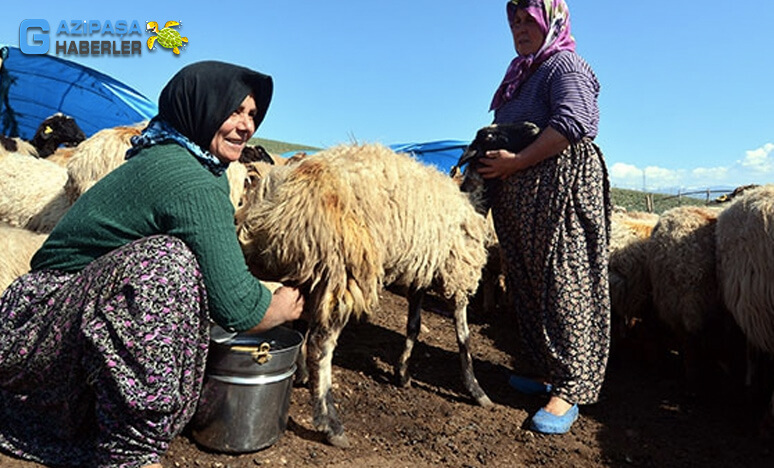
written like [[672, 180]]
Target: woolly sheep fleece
[[355, 217], [17, 246], [629, 279], [682, 268], [104, 151], [97, 156], [32, 189], [745, 250]]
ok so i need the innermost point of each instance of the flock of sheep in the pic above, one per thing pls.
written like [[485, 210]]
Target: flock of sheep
[[701, 279], [347, 221]]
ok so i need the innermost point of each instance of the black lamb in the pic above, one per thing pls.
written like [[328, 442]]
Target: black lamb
[[513, 137], [59, 129]]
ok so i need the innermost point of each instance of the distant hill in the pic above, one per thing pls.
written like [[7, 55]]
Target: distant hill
[[634, 200], [279, 147]]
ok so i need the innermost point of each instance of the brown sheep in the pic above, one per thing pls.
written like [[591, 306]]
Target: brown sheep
[[628, 269], [342, 223]]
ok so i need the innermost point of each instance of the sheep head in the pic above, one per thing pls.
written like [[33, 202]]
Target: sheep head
[[727, 197], [255, 154], [513, 137], [56, 130]]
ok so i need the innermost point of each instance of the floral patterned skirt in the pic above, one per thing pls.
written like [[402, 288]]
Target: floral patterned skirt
[[553, 222], [103, 367]]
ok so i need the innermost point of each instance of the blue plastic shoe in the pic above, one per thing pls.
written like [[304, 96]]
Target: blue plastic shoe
[[529, 386], [548, 423]]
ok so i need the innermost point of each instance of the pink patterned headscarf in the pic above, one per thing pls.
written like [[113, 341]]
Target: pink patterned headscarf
[[553, 18]]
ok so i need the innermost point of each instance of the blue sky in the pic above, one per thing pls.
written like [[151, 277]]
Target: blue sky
[[685, 100]]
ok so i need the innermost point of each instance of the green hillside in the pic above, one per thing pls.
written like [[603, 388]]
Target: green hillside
[[634, 200], [279, 147]]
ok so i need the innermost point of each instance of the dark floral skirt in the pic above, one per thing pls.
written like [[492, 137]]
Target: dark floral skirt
[[553, 222], [103, 367]]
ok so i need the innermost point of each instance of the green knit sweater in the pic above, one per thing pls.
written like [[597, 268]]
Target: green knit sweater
[[163, 190]]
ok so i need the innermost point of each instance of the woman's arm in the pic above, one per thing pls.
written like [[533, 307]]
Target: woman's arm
[[501, 164], [286, 305]]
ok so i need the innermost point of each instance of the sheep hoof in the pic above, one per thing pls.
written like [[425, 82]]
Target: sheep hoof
[[484, 401], [339, 440], [300, 380], [404, 381]]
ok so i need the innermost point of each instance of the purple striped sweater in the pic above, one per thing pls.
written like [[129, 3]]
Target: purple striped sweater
[[561, 93]]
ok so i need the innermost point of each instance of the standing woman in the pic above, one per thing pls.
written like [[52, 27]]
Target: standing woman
[[103, 344], [552, 213]]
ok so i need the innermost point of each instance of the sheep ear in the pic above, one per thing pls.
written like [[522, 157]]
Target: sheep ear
[[467, 156]]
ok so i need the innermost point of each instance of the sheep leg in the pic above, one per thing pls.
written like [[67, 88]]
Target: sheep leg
[[463, 341], [321, 343], [413, 324], [301, 377]]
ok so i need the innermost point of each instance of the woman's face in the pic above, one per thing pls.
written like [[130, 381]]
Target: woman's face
[[527, 36], [232, 136]]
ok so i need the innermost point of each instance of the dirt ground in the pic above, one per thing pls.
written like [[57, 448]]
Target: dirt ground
[[644, 418]]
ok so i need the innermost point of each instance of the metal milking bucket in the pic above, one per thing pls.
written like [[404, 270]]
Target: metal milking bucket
[[246, 393]]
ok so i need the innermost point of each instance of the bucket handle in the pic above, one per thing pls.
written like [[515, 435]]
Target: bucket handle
[[260, 354], [256, 379]]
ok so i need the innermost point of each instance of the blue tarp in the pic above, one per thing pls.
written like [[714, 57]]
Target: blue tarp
[[34, 87], [442, 154]]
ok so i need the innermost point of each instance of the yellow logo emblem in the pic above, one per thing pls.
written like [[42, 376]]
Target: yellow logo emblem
[[167, 37]]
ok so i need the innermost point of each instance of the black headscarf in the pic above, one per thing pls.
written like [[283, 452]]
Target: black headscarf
[[201, 96]]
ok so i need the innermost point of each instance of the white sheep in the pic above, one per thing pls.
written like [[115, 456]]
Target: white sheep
[[686, 294], [17, 246], [745, 263], [97, 156], [32, 192], [492, 294], [62, 155], [104, 151], [343, 222], [35, 194], [16, 145], [745, 243], [243, 176]]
